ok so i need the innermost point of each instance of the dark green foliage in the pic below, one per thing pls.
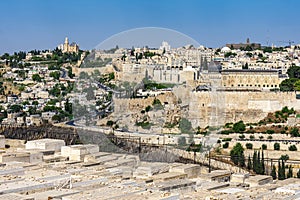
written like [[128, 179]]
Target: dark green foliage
[[36, 77], [298, 174], [148, 108], [249, 164], [294, 71], [281, 169], [264, 146], [288, 84], [276, 146], [225, 145], [273, 172], [292, 148], [239, 127], [295, 132], [237, 155], [258, 164], [290, 172], [249, 145], [55, 75], [15, 108], [270, 131]]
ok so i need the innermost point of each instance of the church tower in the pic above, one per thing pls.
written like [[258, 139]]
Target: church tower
[[66, 45]]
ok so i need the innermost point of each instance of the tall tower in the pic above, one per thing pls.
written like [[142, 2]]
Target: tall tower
[[66, 45]]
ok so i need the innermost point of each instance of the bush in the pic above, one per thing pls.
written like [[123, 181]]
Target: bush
[[264, 147], [239, 127], [226, 132], [295, 132], [270, 137], [261, 137], [226, 139], [249, 145], [252, 137], [270, 131], [226, 145], [276, 146], [242, 136], [292, 148]]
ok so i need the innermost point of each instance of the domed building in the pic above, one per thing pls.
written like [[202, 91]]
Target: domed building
[[225, 49]]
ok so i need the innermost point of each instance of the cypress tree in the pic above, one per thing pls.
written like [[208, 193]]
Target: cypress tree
[[254, 161], [258, 167], [298, 174], [273, 172], [290, 172], [249, 164], [242, 160], [262, 163], [279, 171], [283, 169]]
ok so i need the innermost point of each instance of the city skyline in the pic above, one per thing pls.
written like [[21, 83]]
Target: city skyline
[[43, 25]]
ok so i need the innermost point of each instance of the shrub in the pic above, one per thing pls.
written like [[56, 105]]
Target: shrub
[[270, 137], [242, 136], [261, 137], [252, 137], [276, 146], [292, 148], [295, 132], [226, 139], [249, 145], [264, 147], [239, 127], [270, 131], [226, 145]]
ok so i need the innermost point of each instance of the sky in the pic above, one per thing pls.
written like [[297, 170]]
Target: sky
[[37, 24]]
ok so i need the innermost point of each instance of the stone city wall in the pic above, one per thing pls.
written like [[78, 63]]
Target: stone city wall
[[217, 108]]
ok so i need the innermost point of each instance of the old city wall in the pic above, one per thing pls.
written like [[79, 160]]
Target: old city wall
[[217, 108], [125, 105]]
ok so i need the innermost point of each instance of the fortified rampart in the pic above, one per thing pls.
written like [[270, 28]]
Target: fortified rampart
[[219, 107], [125, 105]]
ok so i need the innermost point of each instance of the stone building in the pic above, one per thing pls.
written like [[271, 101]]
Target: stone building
[[70, 48], [244, 45], [251, 79]]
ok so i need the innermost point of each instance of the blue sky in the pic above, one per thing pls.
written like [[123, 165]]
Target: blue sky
[[37, 24]]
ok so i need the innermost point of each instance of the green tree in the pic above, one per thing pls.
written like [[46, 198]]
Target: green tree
[[249, 145], [293, 71], [237, 155], [264, 146], [292, 148], [185, 125], [276, 146], [273, 172], [297, 85], [55, 75], [290, 172], [288, 84], [298, 174], [249, 164], [36, 77], [239, 127], [295, 132]]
